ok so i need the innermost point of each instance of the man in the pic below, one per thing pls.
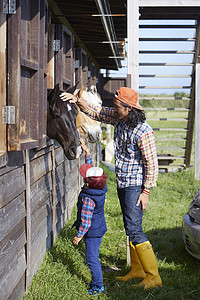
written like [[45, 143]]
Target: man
[[136, 168]]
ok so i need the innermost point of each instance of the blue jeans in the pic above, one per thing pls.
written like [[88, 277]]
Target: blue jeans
[[132, 214], [92, 258]]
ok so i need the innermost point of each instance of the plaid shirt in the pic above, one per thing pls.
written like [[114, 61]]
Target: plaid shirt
[[87, 208], [136, 160]]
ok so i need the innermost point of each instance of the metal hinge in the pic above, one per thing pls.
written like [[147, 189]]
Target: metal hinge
[[76, 64], [9, 7], [56, 45], [8, 114]]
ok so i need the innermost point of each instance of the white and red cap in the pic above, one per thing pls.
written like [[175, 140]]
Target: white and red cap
[[95, 176]]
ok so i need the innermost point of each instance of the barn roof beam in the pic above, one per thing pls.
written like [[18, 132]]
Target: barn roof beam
[[62, 18], [104, 9]]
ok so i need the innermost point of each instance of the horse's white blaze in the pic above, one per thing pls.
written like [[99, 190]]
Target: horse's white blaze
[[92, 131], [69, 107], [79, 151]]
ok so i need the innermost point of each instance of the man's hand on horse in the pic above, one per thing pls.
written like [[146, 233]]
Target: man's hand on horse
[[68, 97]]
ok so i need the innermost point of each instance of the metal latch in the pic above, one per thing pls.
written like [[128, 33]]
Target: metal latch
[[56, 45], [9, 6], [76, 63], [8, 114]]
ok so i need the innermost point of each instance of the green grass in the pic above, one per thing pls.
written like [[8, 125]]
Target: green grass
[[65, 275]]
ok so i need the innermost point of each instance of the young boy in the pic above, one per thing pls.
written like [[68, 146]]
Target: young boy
[[90, 221]]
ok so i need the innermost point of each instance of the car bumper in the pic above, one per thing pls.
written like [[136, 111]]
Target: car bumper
[[191, 236]]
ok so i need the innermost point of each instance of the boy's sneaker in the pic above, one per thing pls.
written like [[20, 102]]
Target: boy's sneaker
[[90, 285], [95, 290]]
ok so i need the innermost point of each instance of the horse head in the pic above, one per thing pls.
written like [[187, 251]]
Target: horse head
[[61, 123], [90, 128]]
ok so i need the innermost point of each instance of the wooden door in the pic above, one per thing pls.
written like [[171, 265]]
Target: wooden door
[[27, 74], [64, 57]]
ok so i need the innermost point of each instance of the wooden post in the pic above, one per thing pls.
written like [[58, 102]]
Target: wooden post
[[133, 58], [197, 122], [133, 42], [28, 221], [53, 195]]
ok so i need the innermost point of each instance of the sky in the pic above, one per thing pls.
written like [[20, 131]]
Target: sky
[[163, 58]]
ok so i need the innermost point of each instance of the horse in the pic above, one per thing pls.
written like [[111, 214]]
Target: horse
[[61, 123], [90, 128]]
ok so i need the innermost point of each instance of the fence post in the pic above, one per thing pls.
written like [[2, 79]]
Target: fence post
[[53, 194], [28, 220], [197, 122], [133, 42]]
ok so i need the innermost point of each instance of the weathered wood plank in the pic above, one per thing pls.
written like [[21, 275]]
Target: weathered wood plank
[[84, 77], [11, 214], [43, 149], [12, 184], [39, 255], [13, 49], [50, 64], [40, 189], [42, 104], [78, 69], [68, 56], [40, 212], [59, 155], [40, 166], [19, 290], [2, 77], [41, 233], [12, 244], [59, 56], [61, 172], [9, 278]]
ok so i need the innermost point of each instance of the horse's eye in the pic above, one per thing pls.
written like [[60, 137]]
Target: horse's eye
[[56, 116]]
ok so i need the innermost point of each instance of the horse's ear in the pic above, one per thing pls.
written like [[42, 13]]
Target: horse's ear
[[93, 89], [52, 99], [80, 91], [49, 92], [56, 88], [72, 89]]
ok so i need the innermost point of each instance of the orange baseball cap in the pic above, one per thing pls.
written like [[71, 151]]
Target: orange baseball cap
[[129, 97]]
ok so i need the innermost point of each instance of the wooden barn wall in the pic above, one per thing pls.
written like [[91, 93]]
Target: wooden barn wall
[[109, 87], [36, 199], [38, 185]]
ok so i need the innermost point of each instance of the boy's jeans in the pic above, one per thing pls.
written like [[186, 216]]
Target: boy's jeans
[[132, 214], [92, 258]]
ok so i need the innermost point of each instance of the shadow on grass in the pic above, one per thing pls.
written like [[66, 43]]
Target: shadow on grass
[[179, 270], [69, 255]]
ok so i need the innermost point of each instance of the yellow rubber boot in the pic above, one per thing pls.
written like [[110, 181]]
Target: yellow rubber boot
[[136, 267], [148, 261]]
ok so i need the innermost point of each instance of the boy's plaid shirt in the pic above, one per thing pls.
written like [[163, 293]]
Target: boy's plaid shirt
[[136, 160], [87, 208]]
